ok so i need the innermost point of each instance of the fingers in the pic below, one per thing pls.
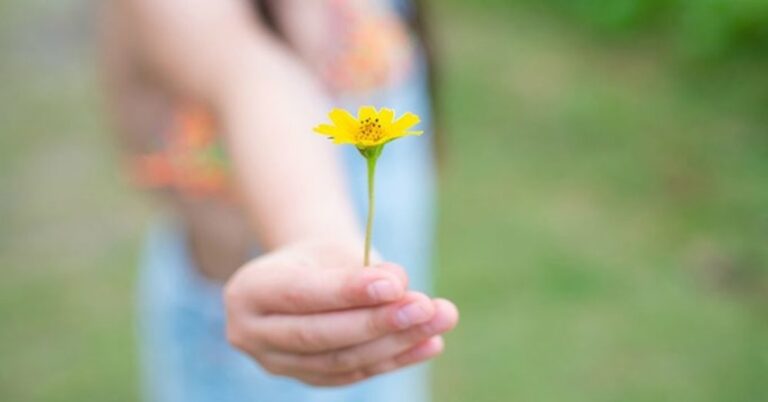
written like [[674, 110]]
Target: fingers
[[419, 353], [340, 329], [295, 289], [370, 353], [396, 270], [353, 364]]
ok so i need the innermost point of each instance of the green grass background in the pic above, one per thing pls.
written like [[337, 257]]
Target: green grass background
[[604, 214]]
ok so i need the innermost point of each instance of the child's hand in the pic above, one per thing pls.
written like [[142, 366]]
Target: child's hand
[[312, 312]]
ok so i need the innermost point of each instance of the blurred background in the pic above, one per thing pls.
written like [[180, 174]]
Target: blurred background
[[604, 204]]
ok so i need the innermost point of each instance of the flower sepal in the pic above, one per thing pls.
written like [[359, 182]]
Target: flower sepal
[[371, 152]]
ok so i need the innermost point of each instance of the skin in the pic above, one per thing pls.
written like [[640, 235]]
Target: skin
[[306, 308]]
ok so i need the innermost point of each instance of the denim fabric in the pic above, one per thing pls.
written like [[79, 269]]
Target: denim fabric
[[185, 356]]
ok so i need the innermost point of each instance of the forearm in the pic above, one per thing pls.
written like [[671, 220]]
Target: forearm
[[266, 102], [291, 178]]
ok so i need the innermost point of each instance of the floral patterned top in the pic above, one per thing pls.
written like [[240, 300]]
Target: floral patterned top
[[370, 48]]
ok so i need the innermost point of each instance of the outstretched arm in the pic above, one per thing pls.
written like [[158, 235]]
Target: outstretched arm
[[307, 308], [219, 53]]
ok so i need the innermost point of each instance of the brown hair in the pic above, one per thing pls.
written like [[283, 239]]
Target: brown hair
[[423, 30]]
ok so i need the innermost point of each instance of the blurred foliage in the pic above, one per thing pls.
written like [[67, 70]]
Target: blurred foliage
[[700, 29], [603, 217]]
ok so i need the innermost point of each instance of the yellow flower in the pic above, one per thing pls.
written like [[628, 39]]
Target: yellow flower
[[371, 128], [368, 132]]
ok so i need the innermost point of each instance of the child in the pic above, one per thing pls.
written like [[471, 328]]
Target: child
[[252, 289]]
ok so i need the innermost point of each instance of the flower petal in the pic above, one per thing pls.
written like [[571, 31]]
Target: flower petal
[[403, 134], [399, 127], [344, 120], [366, 112], [337, 135], [326, 129], [344, 140], [386, 116]]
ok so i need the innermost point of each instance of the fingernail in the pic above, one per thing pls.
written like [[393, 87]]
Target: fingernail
[[411, 314], [382, 290]]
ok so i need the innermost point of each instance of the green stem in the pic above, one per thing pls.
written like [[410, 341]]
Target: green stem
[[371, 161]]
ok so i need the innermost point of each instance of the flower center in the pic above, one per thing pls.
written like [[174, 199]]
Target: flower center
[[370, 130]]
